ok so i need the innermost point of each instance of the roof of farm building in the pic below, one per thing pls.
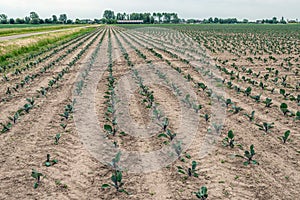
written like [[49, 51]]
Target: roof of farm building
[[130, 21]]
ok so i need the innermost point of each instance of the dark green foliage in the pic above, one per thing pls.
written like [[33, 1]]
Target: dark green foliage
[[37, 175], [268, 102], [116, 176], [285, 137], [251, 116], [57, 137], [248, 156], [191, 171], [284, 93], [202, 193], [5, 127], [206, 117], [165, 124], [228, 102], [284, 108], [235, 109], [297, 115], [202, 86], [49, 162], [265, 126], [168, 134], [248, 91]]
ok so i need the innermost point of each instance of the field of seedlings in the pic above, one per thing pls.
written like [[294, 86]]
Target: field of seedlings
[[154, 112]]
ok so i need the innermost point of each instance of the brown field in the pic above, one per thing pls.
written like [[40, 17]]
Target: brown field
[[182, 60]]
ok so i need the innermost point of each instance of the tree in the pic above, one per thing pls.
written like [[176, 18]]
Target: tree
[[3, 18], [69, 21], [146, 18], [121, 16], [19, 21], [11, 21], [125, 16], [27, 20], [34, 18], [167, 17], [109, 14], [245, 21], [48, 21], [174, 18], [35, 21], [63, 18], [54, 19], [216, 20], [151, 20], [159, 15], [282, 21], [34, 15]]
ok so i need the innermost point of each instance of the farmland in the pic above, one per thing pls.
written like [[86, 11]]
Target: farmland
[[153, 112]]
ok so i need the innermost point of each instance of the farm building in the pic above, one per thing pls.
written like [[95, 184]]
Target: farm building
[[130, 21]]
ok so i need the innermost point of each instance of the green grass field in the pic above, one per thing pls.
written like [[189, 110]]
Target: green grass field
[[16, 52], [15, 29]]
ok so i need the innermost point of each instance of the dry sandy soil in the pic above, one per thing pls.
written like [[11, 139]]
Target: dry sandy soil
[[80, 174]]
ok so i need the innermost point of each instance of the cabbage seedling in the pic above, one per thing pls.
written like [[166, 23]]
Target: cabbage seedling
[[116, 175], [197, 107], [248, 156], [177, 147], [248, 91], [297, 116], [217, 127], [251, 117], [256, 98], [165, 124], [157, 113], [168, 135], [268, 102], [285, 137], [43, 91], [229, 140], [202, 86], [49, 162], [6, 127], [37, 175], [109, 129], [5, 78], [284, 94], [63, 125], [191, 171], [15, 117], [284, 108], [236, 109], [187, 100], [57, 137], [206, 117], [65, 115], [202, 193], [8, 91], [30, 101], [265, 126], [228, 102]]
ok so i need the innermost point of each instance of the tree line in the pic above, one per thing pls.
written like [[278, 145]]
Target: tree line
[[34, 18], [110, 17]]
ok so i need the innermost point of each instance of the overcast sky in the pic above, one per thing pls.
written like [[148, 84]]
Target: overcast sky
[[250, 9]]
